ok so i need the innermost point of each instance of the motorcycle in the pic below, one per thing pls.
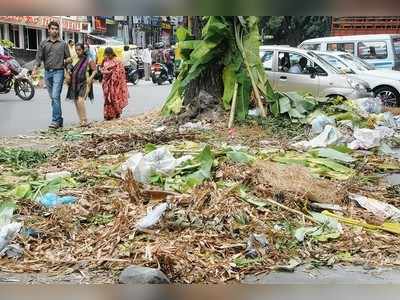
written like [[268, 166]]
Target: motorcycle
[[13, 75], [160, 74], [132, 72]]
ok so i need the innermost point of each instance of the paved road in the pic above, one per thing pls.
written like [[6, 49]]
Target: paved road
[[18, 117]]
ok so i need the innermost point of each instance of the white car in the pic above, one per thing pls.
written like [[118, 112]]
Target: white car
[[384, 83], [293, 69]]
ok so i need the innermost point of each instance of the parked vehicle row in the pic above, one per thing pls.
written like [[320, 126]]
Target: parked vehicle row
[[380, 50]]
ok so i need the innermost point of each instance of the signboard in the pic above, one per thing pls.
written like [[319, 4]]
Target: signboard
[[100, 25], [42, 21], [110, 22]]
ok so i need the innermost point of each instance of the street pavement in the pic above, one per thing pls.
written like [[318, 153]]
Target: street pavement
[[18, 117]]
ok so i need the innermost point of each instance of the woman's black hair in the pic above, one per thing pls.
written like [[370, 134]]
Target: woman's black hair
[[109, 52], [80, 45]]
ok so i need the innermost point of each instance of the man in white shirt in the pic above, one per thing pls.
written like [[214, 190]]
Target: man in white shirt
[[1, 50], [146, 58], [299, 67], [126, 59]]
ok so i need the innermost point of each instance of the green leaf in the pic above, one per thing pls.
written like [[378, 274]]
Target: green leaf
[[149, 147], [229, 78], [284, 105], [333, 154], [295, 114], [240, 157], [173, 104], [243, 97], [329, 228], [206, 159], [331, 165], [22, 191], [251, 199], [182, 34]]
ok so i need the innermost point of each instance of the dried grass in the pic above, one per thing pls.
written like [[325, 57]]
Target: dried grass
[[298, 180]]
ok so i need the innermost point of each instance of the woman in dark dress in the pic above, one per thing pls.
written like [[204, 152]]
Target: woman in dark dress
[[81, 83]]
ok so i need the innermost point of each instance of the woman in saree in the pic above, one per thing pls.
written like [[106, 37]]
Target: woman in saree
[[114, 85]]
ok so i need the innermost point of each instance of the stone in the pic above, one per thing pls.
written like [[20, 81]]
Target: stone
[[142, 275]]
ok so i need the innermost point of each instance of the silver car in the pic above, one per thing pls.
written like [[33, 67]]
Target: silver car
[[293, 69]]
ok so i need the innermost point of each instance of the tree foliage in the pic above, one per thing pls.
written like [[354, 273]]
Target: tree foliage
[[292, 30]]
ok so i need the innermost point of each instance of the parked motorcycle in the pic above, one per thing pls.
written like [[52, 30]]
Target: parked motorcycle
[[13, 75], [159, 73], [133, 72]]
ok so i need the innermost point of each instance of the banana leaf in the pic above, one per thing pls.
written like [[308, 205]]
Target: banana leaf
[[229, 78], [243, 97], [333, 154]]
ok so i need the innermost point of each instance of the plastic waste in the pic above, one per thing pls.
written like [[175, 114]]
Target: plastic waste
[[13, 251], [318, 123], [385, 149], [31, 232], [369, 138], [370, 105], [157, 161], [385, 131], [8, 233], [389, 120], [53, 175], [152, 217], [254, 112], [193, 126], [51, 200], [251, 251], [396, 119], [160, 129], [378, 208], [347, 124], [8, 229], [329, 136]]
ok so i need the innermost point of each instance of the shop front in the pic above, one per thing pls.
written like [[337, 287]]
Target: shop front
[[26, 32]]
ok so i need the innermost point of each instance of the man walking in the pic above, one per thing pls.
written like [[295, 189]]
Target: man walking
[[147, 60], [55, 54]]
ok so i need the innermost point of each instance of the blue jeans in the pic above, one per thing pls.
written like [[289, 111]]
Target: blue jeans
[[54, 83]]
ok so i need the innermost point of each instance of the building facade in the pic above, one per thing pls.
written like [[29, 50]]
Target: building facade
[[27, 32], [365, 25]]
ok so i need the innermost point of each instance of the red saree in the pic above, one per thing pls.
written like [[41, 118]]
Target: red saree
[[115, 88]]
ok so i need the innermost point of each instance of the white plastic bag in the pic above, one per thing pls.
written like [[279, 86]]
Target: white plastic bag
[[378, 208], [319, 123], [8, 230], [365, 139], [329, 136], [158, 161], [8, 233], [152, 217], [370, 105]]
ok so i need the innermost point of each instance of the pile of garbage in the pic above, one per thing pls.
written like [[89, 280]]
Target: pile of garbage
[[201, 203]]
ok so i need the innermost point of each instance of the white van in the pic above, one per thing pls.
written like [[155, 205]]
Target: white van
[[380, 50]]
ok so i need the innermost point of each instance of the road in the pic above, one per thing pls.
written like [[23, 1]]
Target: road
[[18, 117]]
